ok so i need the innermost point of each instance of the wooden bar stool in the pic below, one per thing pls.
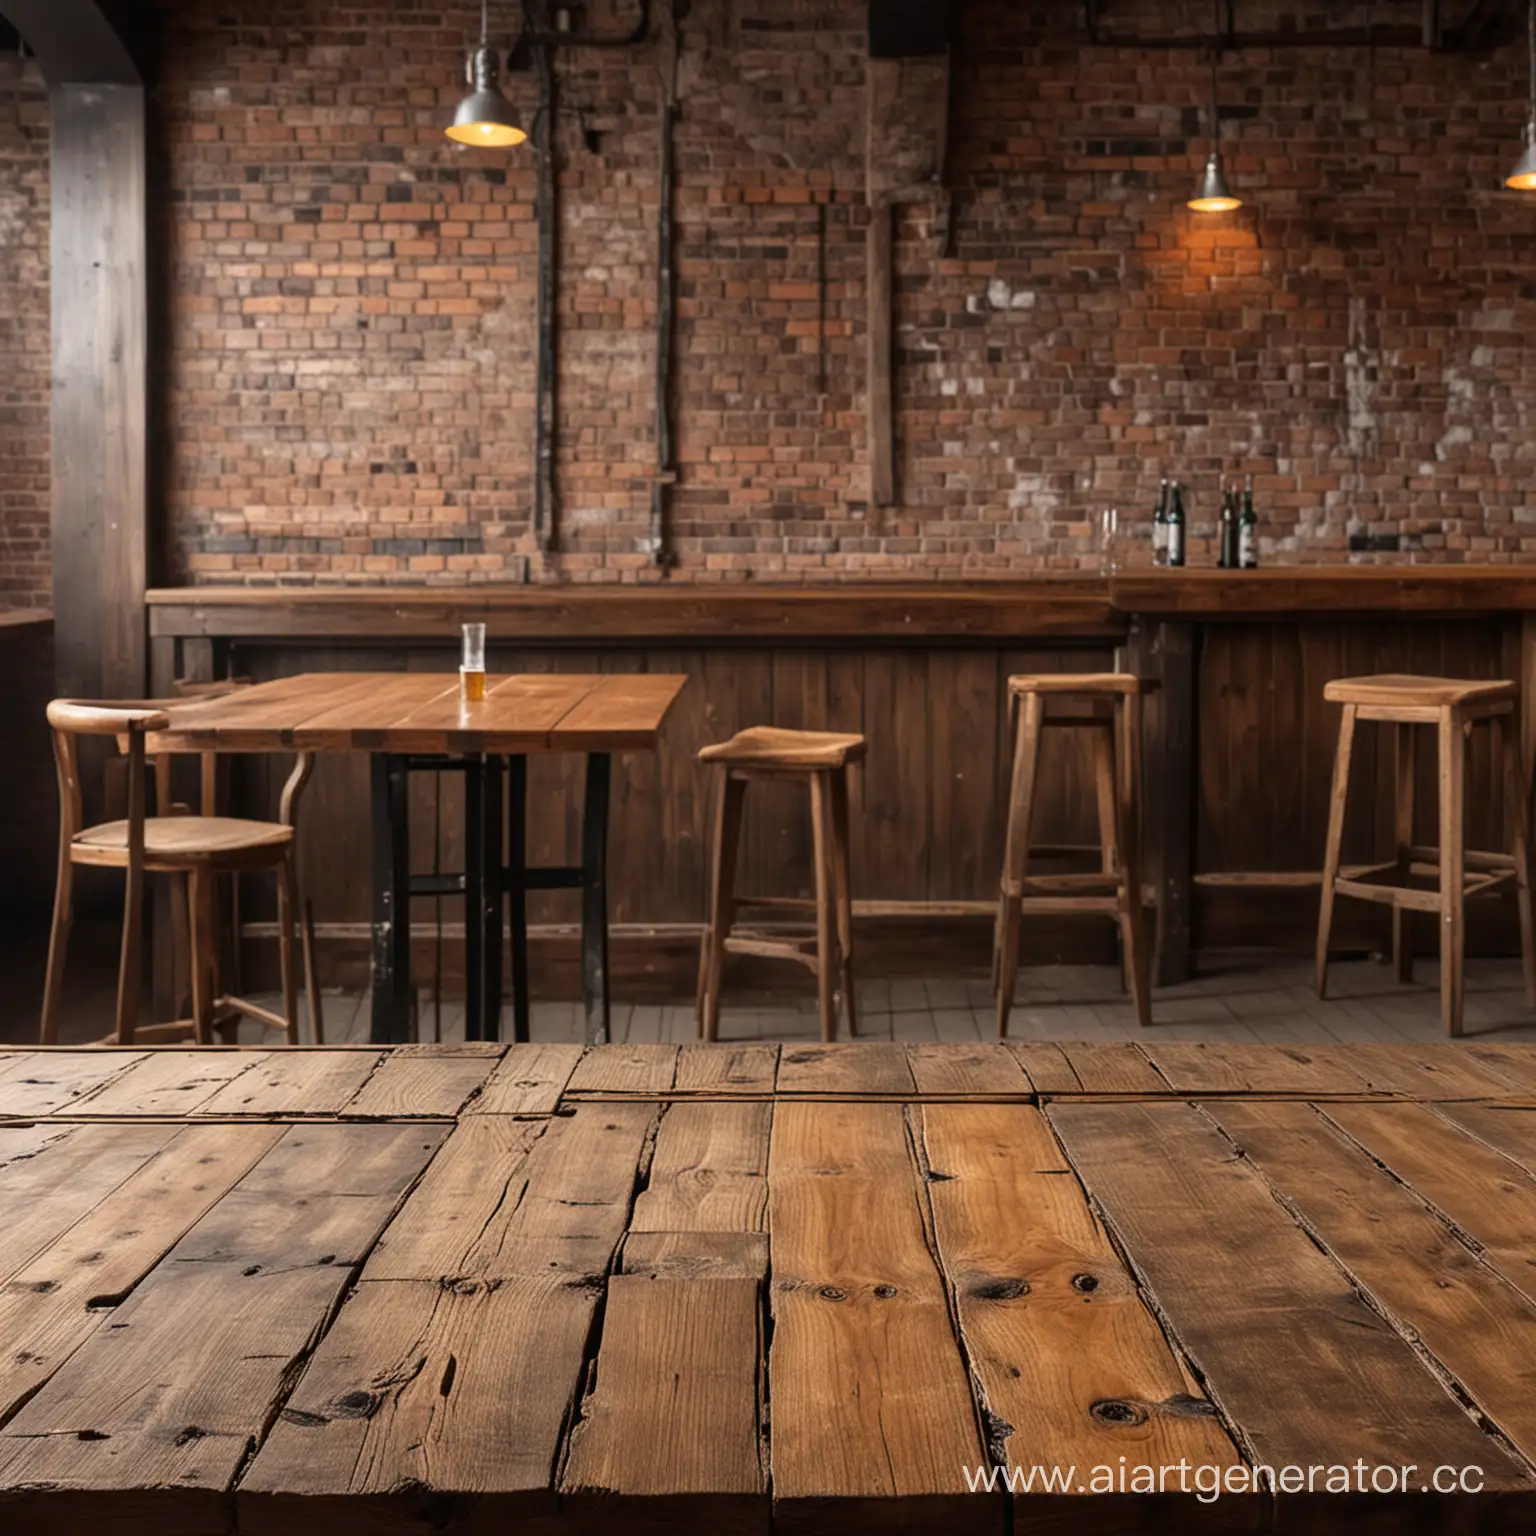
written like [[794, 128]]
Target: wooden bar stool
[[819, 759], [1114, 717], [1431, 879], [197, 849]]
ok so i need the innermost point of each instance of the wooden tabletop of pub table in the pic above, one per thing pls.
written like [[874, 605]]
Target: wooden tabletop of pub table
[[425, 712], [537, 1288]]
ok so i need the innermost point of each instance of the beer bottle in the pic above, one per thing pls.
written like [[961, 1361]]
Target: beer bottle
[[1248, 531], [1176, 526]]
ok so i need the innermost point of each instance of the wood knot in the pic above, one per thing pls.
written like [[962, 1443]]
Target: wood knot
[[1116, 1411], [357, 1404], [1003, 1288], [885, 1292], [832, 1293], [1087, 1284]]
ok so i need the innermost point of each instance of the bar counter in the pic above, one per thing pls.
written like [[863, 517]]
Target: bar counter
[[1239, 749]]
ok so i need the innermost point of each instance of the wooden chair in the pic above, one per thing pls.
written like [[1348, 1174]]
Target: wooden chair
[[1113, 715], [820, 760], [195, 848], [1431, 879]]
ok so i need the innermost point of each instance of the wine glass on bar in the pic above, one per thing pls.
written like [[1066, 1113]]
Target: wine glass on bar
[[472, 664]]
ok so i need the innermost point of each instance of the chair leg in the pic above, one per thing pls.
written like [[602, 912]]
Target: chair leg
[[1402, 917], [203, 937], [1453, 759], [722, 902], [129, 977], [1133, 918], [1516, 792], [1336, 801], [311, 975], [840, 863], [1021, 802], [1107, 794], [58, 948], [287, 912], [822, 838]]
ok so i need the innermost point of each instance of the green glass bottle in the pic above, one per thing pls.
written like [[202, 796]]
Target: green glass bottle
[[1248, 530]]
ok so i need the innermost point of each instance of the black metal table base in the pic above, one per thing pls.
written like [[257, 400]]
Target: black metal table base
[[495, 884]]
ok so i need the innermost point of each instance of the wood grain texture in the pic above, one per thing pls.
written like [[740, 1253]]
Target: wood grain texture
[[1073, 1369], [730, 1308], [1284, 1332], [870, 1404]]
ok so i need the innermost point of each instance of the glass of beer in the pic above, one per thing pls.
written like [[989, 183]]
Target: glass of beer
[[472, 664]]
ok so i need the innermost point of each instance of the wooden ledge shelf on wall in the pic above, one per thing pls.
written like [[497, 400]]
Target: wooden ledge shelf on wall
[[880, 612], [1338, 591]]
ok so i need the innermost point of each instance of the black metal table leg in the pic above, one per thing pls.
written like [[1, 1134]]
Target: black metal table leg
[[474, 876], [489, 911], [393, 1016], [594, 897], [517, 890]]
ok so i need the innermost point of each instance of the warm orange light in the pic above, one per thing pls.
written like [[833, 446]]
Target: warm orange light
[[1215, 204], [486, 135]]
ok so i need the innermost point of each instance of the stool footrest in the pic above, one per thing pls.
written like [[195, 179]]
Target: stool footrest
[[772, 949]]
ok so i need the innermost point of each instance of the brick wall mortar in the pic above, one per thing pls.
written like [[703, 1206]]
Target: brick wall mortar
[[347, 369]]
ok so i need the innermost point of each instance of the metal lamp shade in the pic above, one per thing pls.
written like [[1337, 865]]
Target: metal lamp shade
[[485, 116], [1523, 177], [1213, 195]]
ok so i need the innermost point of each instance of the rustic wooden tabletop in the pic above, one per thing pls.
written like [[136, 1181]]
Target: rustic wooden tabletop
[[811, 1289]]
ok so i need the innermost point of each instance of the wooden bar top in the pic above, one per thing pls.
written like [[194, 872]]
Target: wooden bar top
[[751, 1288], [1068, 605]]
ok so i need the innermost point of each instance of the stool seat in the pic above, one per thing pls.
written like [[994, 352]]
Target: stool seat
[[1118, 684], [767, 746], [1398, 688], [182, 842]]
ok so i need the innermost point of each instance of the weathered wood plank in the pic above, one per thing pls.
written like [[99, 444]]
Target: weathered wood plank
[[309, 1082], [44, 1082], [674, 1419], [984, 1067], [869, 1067], [708, 1170], [52, 1303], [506, 1198], [165, 1397], [1117, 1067], [423, 1406], [1417, 1071], [1286, 1347], [673, 1425], [696, 1255], [168, 1083], [1218, 1066], [1046, 1065], [626, 1069], [1480, 1329], [1508, 1130], [528, 1080], [1072, 1367], [871, 1404], [52, 1176], [419, 1086], [1491, 1198], [727, 1068]]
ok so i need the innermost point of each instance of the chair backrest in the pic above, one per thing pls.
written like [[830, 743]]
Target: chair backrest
[[120, 718]]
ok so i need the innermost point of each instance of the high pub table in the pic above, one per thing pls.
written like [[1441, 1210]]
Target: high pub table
[[419, 720]]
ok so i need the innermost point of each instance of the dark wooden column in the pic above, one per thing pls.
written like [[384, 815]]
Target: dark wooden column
[[100, 379], [100, 367], [1165, 651]]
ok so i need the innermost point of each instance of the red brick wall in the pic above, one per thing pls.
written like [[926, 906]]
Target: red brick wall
[[348, 374], [24, 362]]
